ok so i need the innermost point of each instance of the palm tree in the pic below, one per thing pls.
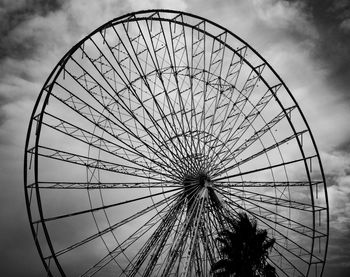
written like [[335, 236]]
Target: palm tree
[[245, 249]]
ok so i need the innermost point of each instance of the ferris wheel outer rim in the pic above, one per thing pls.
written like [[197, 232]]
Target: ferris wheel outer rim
[[60, 66]]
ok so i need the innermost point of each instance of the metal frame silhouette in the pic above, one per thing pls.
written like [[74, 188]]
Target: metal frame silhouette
[[175, 124]]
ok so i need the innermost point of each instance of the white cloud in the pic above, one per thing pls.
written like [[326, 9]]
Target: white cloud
[[339, 206], [163, 4], [283, 15], [345, 25], [338, 163]]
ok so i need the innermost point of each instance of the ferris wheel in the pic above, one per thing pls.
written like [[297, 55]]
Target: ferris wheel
[[149, 134]]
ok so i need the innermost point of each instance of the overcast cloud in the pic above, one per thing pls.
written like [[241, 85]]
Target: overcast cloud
[[307, 42]]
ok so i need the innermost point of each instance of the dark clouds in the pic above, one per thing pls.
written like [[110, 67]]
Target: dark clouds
[[15, 13], [331, 18], [344, 147], [25, 253], [3, 114], [338, 254]]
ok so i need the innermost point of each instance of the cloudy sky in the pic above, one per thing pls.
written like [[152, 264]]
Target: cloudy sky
[[307, 43]]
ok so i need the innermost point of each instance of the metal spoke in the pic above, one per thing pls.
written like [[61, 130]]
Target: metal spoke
[[263, 168], [274, 184], [112, 255], [105, 185], [277, 218], [262, 152], [103, 207], [116, 225], [276, 201], [89, 162]]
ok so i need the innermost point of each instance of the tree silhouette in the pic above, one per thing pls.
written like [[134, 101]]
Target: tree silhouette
[[244, 249]]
